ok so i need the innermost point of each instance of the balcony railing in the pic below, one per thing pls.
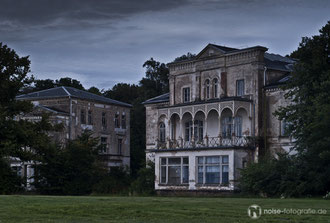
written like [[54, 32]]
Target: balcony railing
[[207, 142]]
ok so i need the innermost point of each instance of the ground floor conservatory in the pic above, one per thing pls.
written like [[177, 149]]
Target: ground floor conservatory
[[212, 169]]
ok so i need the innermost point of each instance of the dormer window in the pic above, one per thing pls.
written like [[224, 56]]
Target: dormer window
[[207, 89], [186, 94]]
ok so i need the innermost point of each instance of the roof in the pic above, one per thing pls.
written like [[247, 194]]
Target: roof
[[224, 48], [278, 62], [282, 80], [59, 92], [51, 109], [159, 99]]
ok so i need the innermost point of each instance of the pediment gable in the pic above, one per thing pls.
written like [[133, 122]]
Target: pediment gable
[[213, 50]]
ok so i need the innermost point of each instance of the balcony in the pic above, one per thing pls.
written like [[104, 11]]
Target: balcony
[[208, 142]]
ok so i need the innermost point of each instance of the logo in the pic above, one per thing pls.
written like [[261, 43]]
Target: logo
[[254, 211]]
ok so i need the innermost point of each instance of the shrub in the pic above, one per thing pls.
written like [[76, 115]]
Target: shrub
[[10, 182], [282, 177], [145, 182], [117, 181]]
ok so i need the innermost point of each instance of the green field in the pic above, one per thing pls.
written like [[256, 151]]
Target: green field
[[152, 209]]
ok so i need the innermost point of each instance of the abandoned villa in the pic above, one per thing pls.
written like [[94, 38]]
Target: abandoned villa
[[217, 117], [78, 110]]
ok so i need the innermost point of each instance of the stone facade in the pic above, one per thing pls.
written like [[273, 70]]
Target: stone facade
[[220, 103]]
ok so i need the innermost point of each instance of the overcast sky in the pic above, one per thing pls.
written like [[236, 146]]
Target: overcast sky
[[103, 42]]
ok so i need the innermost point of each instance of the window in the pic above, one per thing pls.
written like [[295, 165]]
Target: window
[[117, 120], [238, 126], [104, 120], [207, 89], [120, 144], [196, 129], [226, 125], [162, 132], [103, 144], [90, 120], [213, 170], [240, 87], [82, 116], [284, 128], [123, 121], [188, 131], [173, 132], [215, 87], [186, 94], [174, 170]]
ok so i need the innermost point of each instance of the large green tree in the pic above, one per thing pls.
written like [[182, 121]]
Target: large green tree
[[72, 169], [156, 81], [18, 137], [309, 114]]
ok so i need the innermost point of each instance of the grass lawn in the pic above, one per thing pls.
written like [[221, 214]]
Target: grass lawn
[[152, 209]]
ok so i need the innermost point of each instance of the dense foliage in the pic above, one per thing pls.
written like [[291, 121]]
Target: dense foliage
[[72, 169], [18, 137], [309, 124]]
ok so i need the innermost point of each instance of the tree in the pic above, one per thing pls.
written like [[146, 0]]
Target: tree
[[94, 90], [71, 170], [69, 82], [124, 92], [184, 57], [156, 81], [308, 115], [18, 137], [43, 84]]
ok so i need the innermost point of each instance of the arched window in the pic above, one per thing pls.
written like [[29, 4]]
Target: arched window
[[197, 129], [215, 87], [226, 127], [162, 132], [207, 89], [238, 126]]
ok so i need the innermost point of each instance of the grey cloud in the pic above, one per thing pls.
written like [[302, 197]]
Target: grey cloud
[[38, 12]]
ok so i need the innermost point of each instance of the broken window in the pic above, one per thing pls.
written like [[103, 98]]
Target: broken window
[[174, 170], [213, 170]]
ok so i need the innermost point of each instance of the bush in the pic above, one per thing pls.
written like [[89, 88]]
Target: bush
[[282, 177], [145, 182], [71, 170], [117, 181], [10, 182]]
